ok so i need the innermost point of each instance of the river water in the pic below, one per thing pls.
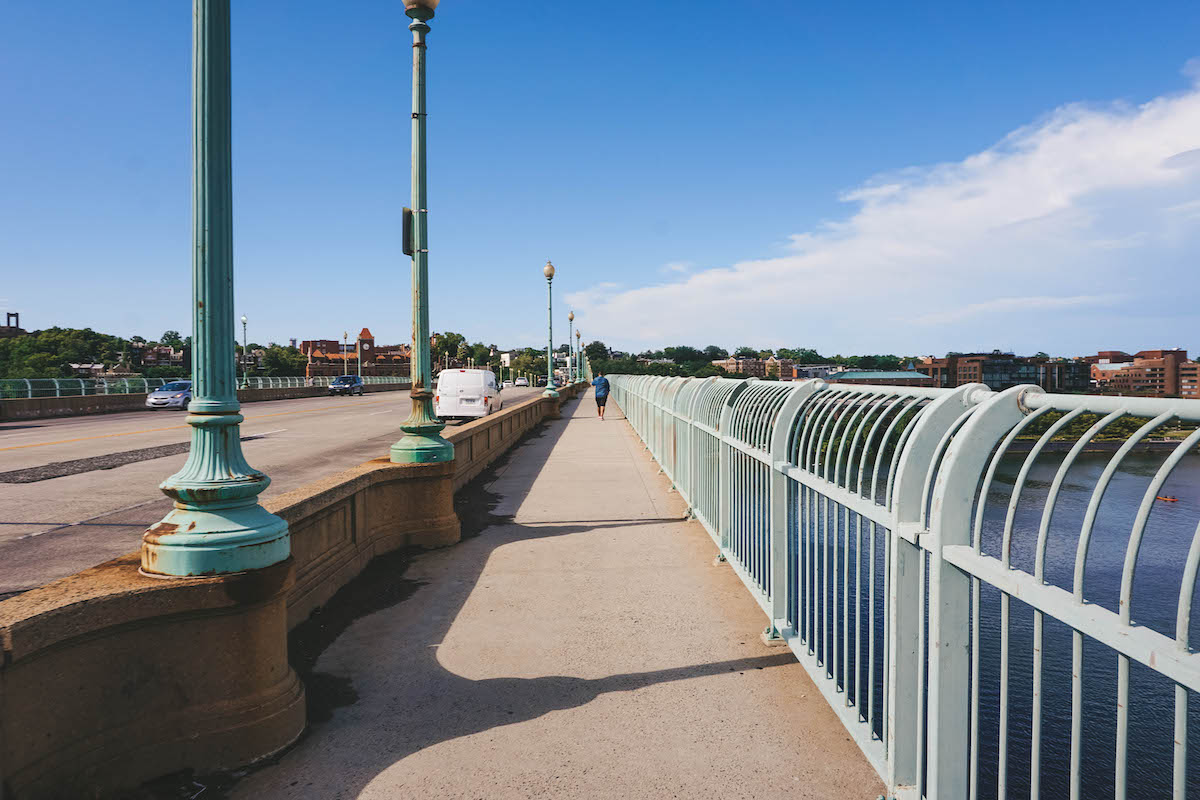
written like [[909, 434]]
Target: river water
[[1155, 598]]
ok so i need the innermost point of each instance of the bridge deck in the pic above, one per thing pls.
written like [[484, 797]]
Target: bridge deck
[[582, 645]]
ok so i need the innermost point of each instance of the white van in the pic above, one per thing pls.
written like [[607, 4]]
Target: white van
[[466, 393]]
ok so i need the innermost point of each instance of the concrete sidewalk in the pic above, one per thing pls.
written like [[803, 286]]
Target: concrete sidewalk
[[582, 646]]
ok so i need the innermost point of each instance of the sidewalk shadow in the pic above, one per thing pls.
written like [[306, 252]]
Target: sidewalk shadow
[[396, 698]]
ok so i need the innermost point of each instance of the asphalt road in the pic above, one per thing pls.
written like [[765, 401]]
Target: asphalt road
[[77, 491]]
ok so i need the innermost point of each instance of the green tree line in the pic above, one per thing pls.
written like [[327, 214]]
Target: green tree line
[[697, 362], [49, 353]]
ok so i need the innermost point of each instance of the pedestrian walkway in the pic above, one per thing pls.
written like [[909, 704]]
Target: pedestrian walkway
[[582, 646]]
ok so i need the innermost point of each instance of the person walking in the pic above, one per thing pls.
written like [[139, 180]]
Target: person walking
[[601, 384]]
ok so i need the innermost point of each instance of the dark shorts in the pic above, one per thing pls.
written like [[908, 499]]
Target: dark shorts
[[600, 401]]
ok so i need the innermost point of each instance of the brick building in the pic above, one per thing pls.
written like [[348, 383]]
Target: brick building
[[329, 357], [1166, 373], [757, 367], [161, 355], [751, 367], [1189, 380], [1001, 371]]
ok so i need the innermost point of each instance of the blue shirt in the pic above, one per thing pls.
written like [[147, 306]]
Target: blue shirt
[[601, 385]]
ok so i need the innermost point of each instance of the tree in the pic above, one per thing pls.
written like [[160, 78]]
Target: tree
[[803, 355], [481, 353], [283, 361], [714, 353], [49, 353], [534, 365], [447, 344], [596, 351], [683, 354], [745, 352], [171, 339]]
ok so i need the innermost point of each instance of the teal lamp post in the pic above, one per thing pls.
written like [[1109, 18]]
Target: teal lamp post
[[217, 526], [578, 356], [422, 442], [570, 350], [548, 271]]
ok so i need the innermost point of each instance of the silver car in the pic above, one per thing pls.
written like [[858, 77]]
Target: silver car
[[176, 394]]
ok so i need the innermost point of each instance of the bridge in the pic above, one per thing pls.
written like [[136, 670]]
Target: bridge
[[725, 589]]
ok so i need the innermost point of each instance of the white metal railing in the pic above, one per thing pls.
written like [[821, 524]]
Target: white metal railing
[[26, 388], [963, 597]]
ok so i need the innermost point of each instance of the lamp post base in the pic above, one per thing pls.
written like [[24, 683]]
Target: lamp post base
[[550, 393], [214, 541], [421, 448]]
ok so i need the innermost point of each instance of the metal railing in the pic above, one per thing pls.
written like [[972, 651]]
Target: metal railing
[[16, 388], [966, 607]]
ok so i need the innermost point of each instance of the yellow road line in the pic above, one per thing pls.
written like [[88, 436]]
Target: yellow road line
[[178, 427]]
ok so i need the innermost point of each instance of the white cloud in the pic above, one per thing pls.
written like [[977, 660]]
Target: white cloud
[[1087, 207], [1002, 304], [677, 267]]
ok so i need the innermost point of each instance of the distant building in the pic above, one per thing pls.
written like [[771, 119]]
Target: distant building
[[799, 372], [12, 326], [778, 367], [1000, 371], [161, 355], [783, 368], [881, 377], [327, 357], [1189, 380], [740, 365], [1148, 372], [1109, 357]]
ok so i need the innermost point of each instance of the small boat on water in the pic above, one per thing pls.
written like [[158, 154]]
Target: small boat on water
[[1168, 498]]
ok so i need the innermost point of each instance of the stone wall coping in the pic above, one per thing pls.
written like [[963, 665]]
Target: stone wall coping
[[317, 495], [115, 593]]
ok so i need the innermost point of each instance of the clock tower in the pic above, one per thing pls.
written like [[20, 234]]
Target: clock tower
[[366, 348]]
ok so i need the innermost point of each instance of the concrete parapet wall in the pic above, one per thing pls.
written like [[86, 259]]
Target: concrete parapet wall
[[340, 523], [42, 407], [110, 678]]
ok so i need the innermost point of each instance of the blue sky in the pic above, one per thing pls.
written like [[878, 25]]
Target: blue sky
[[855, 177]]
